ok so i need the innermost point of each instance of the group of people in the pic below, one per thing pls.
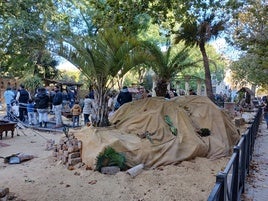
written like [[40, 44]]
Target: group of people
[[20, 104], [124, 96], [42, 102]]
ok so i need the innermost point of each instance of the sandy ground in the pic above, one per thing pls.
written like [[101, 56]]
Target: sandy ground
[[44, 178]]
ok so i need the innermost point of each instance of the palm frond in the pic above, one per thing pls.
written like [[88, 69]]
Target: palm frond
[[188, 33]]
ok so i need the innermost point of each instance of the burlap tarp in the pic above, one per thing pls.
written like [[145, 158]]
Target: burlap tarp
[[161, 147]]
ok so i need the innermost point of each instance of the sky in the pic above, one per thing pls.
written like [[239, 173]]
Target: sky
[[225, 50], [66, 65]]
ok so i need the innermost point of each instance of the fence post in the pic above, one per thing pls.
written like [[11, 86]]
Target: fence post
[[235, 183], [221, 178], [243, 163]]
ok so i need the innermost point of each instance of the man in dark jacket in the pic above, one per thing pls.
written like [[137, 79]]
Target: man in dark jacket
[[22, 97], [124, 96], [42, 104], [57, 106]]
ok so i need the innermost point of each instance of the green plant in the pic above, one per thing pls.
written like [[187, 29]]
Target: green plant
[[32, 83], [173, 129], [110, 158]]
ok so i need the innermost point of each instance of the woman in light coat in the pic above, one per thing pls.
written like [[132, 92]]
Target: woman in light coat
[[87, 108]]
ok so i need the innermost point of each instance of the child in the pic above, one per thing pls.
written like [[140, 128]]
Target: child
[[14, 113], [31, 113], [76, 111]]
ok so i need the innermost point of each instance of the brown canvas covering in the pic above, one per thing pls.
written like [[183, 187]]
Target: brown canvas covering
[[187, 113]]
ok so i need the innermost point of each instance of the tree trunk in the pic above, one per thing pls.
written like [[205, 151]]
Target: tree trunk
[[101, 110], [161, 88], [207, 71]]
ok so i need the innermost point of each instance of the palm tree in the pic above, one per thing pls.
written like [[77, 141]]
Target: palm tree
[[193, 34], [102, 59], [166, 64]]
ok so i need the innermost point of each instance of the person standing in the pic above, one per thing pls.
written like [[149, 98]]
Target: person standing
[[87, 108], [57, 106], [76, 111], [42, 105], [110, 104], [71, 97], [22, 97], [31, 114], [9, 96], [124, 96], [65, 101]]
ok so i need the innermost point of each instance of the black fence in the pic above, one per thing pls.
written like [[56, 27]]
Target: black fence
[[230, 183]]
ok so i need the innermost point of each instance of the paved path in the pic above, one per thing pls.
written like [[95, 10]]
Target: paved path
[[257, 181]]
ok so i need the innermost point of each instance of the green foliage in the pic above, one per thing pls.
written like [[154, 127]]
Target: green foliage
[[173, 129], [32, 83], [250, 69], [131, 16], [218, 66], [24, 33], [166, 64], [110, 158], [102, 59], [250, 35], [204, 20]]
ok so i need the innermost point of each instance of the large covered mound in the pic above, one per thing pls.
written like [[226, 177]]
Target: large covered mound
[[157, 132]]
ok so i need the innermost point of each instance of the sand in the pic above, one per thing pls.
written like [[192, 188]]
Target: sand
[[45, 178]]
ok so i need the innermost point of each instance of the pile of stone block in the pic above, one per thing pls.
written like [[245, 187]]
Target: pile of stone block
[[68, 150]]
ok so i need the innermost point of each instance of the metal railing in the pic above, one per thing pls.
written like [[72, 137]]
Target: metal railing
[[230, 183]]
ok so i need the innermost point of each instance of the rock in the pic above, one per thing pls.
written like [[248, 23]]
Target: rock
[[110, 170], [74, 161], [3, 192], [74, 155]]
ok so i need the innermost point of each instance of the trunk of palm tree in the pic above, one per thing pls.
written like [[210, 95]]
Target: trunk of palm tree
[[161, 88], [207, 71], [101, 110]]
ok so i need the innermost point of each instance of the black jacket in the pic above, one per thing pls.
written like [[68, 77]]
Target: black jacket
[[124, 97], [57, 98], [42, 100], [24, 96]]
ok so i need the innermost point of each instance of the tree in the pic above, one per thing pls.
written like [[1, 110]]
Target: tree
[[32, 83], [217, 68], [198, 21], [24, 36], [250, 35], [197, 30], [130, 16], [166, 64], [102, 59]]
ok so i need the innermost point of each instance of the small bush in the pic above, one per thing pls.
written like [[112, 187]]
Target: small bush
[[110, 158]]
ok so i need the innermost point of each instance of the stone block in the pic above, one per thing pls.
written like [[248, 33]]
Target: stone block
[[71, 149], [74, 161], [74, 155], [111, 170], [65, 153], [79, 144]]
